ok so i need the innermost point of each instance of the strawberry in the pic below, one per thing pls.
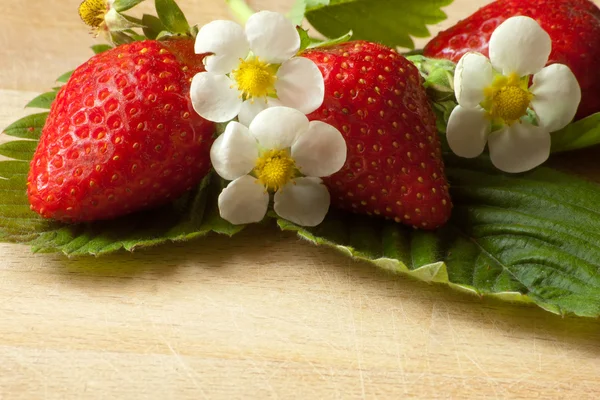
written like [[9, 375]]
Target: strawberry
[[121, 135], [394, 166], [573, 25]]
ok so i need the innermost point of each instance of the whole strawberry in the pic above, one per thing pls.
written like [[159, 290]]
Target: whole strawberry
[[121, 135], [394, 166], [573, 26]]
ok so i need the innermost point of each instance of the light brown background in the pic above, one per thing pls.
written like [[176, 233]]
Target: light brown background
[[262, 315]]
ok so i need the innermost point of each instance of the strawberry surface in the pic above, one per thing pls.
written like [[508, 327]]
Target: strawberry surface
[[573, 25], [394, 166], [122, 135]]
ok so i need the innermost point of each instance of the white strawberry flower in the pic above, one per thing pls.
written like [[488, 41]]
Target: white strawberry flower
[[253, 68], [495, 98], [281, 152]]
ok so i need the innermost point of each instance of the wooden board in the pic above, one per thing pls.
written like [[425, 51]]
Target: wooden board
[[262, 315]]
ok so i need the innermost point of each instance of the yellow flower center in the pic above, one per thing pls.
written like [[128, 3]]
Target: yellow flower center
[[92, 12], [255, 78], [275, 169], [508, 99]]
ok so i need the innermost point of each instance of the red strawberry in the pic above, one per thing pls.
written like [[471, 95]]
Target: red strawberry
[[573, 25], [122, 135], [394, 166]]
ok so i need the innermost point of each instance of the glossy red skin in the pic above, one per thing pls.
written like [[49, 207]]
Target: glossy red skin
[[122, 135], [394, 166], [573, 25]]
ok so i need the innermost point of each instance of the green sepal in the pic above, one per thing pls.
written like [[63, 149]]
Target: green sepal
[[18, 149], [29, 127], [443, 110], [316, 44], [120, 38], [305, 39], [43, 101], [152, 26], [124, 5], [438, 76], [64, 78], [101, 48], [172, 17], [578, 135]]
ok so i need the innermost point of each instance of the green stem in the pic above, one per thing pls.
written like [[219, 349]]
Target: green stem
[[240, 9]]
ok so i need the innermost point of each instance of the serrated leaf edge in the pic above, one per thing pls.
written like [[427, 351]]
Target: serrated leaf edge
[[430, 273]]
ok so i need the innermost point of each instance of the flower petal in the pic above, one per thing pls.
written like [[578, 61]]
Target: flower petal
[[234, 153], [214, 98], [520, 45], [556, 96], [244, 201], [473, 74], [519, 148], [272, 37], [320, 151], [467, 132], [227, 41], [300, 85], [251, 108], [304, 202], [278, 127]]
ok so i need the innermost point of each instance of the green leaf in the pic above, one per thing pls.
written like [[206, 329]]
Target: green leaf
[[16, 170], [152, 26], [44, 100], [192, 216], [100, 48], [124, 5], [531, 238], [119, 37], [578, 135], [391, 22], [305, 40], [330, 42], [19, 149], [316, 3], [171, 16], [64, 78], [29, 127]]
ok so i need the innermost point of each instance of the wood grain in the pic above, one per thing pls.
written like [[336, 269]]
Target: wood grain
[[262, 315]]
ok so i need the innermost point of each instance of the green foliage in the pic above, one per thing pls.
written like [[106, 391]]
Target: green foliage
[[29, 127], [100, 48], [171, 16], [43, 101], [391, 22], [64, 78], [152, 26], [330, 42], [124, 5], [578, 135], [532, 238], [18, 149]]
